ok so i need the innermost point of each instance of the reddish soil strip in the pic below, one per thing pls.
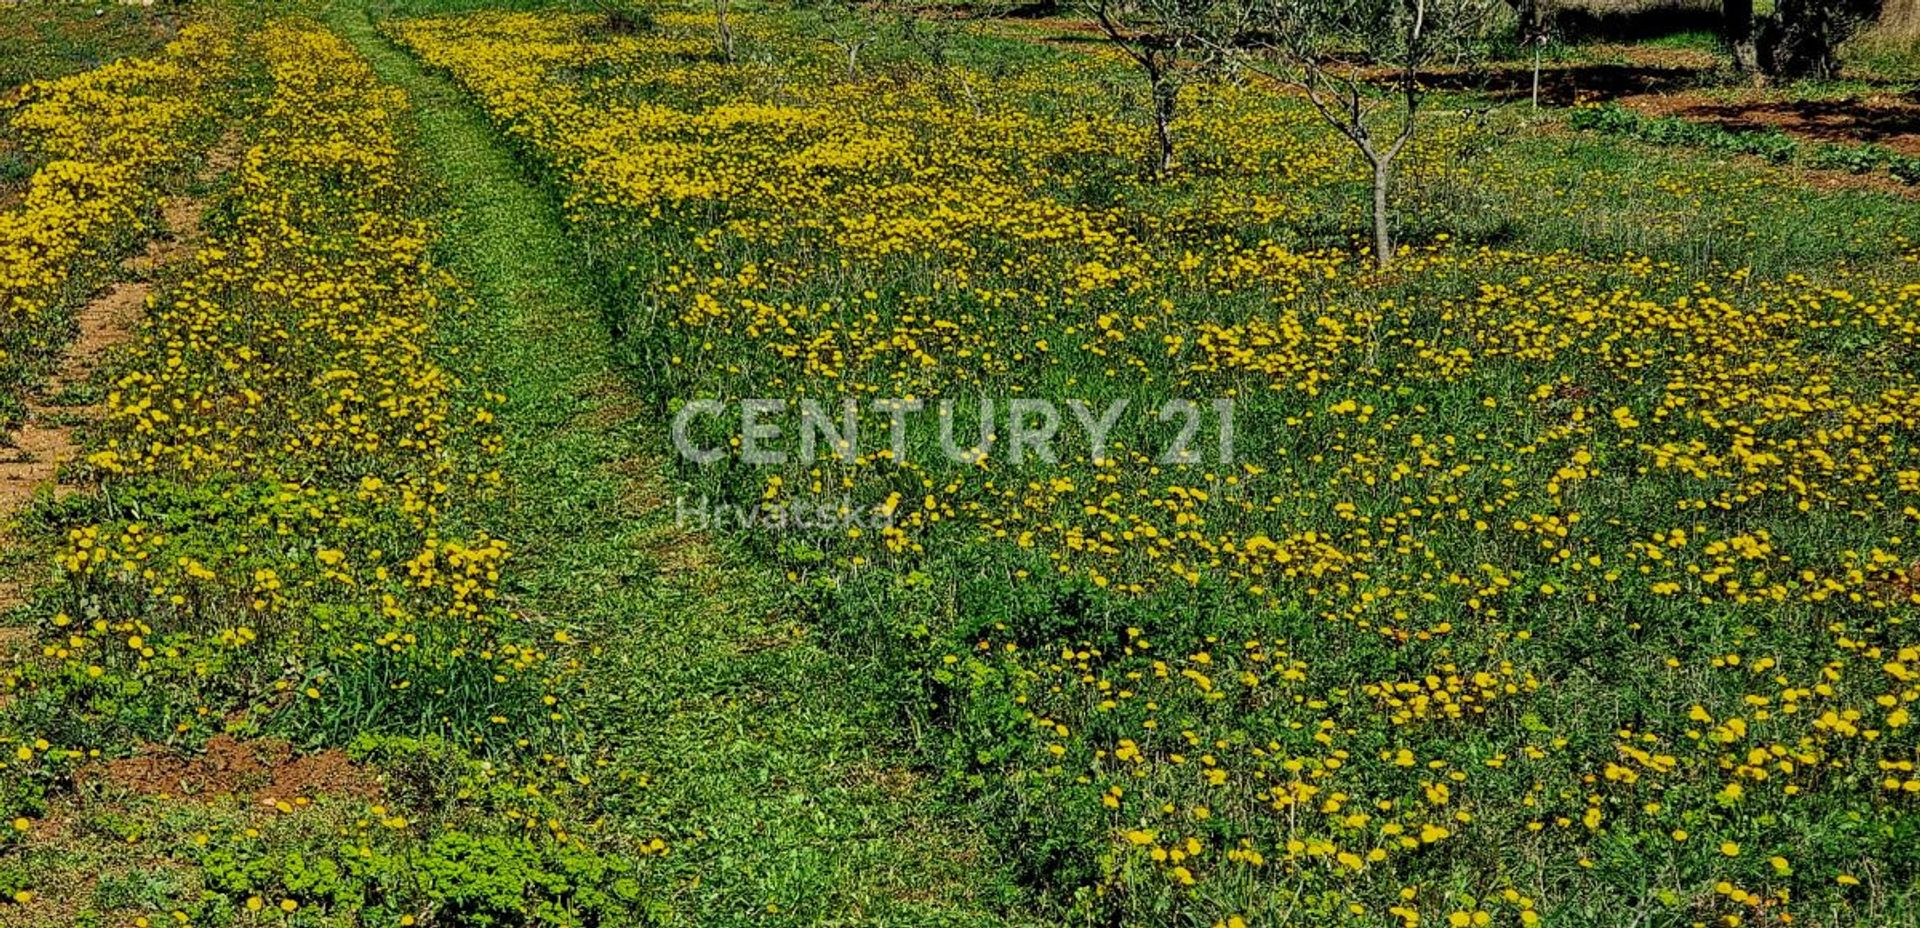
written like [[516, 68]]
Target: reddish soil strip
[[44, 443], [1881, 118], [264, 769]]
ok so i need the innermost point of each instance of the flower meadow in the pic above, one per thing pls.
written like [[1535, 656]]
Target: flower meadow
[[1544, 583], [289, 455], [102, 140], [1560, 573]]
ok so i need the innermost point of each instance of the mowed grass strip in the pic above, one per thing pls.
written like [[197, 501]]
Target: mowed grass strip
[[764, 761]]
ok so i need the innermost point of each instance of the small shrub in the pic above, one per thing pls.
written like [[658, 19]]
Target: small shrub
[[1858, 159]]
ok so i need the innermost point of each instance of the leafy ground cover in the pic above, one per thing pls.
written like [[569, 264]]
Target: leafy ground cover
[[1772, 145], [1561, 573], [1507, 533]]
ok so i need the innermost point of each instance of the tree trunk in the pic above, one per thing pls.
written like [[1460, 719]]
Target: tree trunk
[[725, 34], [1382, 232], [1802, 38], [1526, 20], [1166, 96], [1539, 46], [1736, 27]]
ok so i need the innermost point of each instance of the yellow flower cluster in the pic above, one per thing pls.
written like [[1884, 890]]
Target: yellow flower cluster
[[1536, 572], [282, 448], [292, 463], [297, 361], [104, 137]]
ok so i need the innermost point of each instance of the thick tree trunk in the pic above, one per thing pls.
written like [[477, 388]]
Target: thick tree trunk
[[1736, 27], [1802, 38], [1526, 20]]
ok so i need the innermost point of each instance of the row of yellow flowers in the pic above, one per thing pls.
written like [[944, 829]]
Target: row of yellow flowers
[[1540, 577], [104, 139], [288, 438]]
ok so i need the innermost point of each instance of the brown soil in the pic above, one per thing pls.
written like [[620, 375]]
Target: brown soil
[[263, 769], [42, 445], [1847, 180], [13, 191], [225, 154], [1881, 118], [181, 216], [32, 456], [37, 453], [107, 321]]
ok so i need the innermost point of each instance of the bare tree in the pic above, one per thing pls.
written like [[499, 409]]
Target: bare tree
[[935, 38], [1359, 62], [1166, 38], [723, 33], [850, 28]]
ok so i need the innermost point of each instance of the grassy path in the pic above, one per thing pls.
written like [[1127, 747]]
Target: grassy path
[[761, 749]]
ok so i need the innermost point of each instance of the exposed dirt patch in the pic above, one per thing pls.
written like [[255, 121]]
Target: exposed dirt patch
[[1846, 180], [41, 445], [181, 217], [264, 769], [105, 323], [225, 155], [1886, 119], [36, 452], [35, 457]]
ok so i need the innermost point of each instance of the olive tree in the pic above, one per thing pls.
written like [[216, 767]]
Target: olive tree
[[1737, 30], [1802, 38], [847, 24], [1358, 63], [1798, 39], [1167, 40]]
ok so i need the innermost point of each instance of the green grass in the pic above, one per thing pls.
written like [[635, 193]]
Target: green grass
[[1890, 59], [764, 765], [43, 40], [1046, 645], [766, 734], [1696, 39]]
